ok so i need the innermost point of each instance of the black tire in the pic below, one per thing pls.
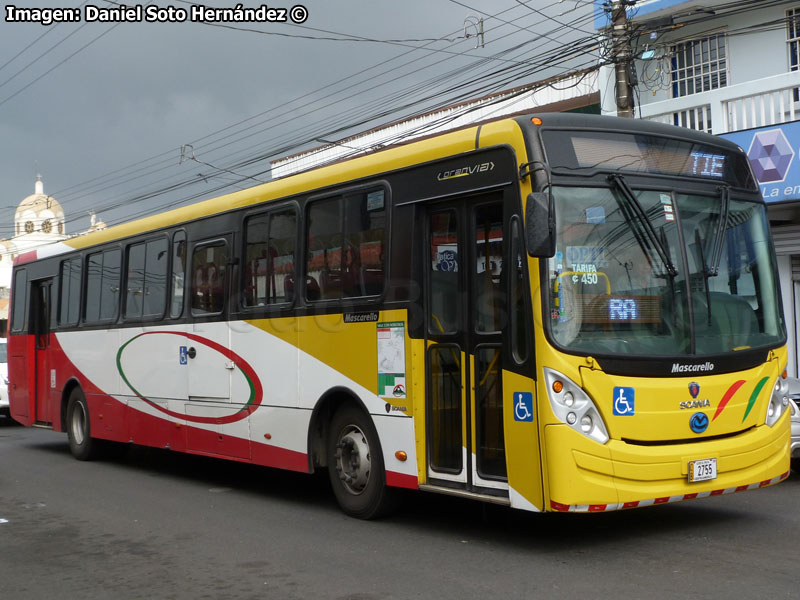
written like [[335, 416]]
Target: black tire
[[81, 443], [355, 465]]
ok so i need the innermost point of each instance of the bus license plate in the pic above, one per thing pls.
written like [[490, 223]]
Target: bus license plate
[[702, 470]]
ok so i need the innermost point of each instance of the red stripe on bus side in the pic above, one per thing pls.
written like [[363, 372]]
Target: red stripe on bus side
[[401, 480]]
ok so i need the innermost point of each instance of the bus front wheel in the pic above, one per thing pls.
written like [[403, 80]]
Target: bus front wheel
[[355, 465], [81, 444]]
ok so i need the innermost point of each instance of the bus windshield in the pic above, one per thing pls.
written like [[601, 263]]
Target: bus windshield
[[658, 273]]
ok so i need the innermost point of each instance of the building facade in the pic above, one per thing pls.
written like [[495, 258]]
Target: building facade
[[38, 220], [731, 68]]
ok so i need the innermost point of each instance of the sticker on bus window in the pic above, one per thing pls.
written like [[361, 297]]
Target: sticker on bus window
[[375, 200], [596, 215], [580, 256], [391, 359]]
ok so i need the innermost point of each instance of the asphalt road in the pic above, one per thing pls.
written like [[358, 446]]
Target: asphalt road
[[159, 525]]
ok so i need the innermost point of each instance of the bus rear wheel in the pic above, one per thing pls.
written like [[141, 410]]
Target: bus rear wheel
[[355, 465], [81, 443]]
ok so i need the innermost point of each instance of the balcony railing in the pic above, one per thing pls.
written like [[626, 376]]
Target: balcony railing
[[758, 103]]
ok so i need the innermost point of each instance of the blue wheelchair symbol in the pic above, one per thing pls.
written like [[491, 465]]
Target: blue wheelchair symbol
[[184, 355], [523, 406], [624, 401]]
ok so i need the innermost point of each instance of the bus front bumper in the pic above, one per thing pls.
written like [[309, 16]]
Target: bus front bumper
[[589, 477]]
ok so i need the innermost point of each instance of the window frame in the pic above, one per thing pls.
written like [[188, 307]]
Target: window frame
[[793, 26], [85, 285], [299, 226], [303, 256], [793, 44], [199, 245], [23, 326], [124, 308], [171, 271], [687, 48], [60, 320]]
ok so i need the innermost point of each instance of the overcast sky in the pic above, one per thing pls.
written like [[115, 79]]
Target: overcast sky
[[120, 94]]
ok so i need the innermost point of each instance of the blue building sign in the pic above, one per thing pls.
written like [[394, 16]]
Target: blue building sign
[[641, 8], [773, 153]]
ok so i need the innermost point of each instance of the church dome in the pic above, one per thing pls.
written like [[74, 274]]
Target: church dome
[[40, 214]]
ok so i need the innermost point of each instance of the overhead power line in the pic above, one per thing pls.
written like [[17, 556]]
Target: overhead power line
[[491, 75], [271, 109]]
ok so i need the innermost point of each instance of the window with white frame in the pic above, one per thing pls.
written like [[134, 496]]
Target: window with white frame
[[699, 65], [793, 41], [793, 37]]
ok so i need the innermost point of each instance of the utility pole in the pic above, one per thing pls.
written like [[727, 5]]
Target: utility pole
[[622, 56]]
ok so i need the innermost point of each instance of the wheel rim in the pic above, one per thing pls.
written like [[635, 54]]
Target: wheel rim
[[78, 423], [353, 462]]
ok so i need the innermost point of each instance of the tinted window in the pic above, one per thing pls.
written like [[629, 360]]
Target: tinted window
[[208, 278], [20, 299], [102, 285], [346, 245], [178, 273], [269, 258], [147, 278], [444, 266], [135, 289], [155, 280], [70, 292]]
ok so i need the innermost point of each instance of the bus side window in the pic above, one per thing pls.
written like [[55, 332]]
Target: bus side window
[[324, 258], [270, 241], [155, 278], [102, 285], [70, 291], [208, 278], [135, 282], [178, 273], [346, 246], [364, 240], [146, 283], [20, 299]]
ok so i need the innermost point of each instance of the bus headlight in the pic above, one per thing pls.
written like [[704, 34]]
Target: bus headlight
[[778, 401], [574, 407]]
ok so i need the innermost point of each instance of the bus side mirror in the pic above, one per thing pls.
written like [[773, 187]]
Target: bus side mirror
[[540, 225]]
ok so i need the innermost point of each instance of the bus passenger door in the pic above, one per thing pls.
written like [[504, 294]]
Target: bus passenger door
[[465, 308], [207, 354], [41, 300]]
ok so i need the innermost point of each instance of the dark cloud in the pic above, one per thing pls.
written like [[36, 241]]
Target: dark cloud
[[146, 89]]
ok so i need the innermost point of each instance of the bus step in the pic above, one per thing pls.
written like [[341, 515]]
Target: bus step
[[503, 501]]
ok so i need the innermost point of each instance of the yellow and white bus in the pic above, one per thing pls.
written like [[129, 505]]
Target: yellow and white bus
[[555, 313]]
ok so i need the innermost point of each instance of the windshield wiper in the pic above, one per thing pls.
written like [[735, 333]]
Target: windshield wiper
[[712, 270], [706, 273], [646, 226]]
